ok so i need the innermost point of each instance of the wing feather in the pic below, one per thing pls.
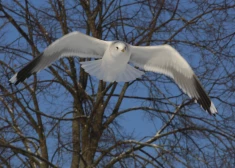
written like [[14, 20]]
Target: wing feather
[[72, 44], [166, 60], [77, 44]]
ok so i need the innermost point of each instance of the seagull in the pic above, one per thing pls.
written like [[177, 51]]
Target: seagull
[[111, 63]]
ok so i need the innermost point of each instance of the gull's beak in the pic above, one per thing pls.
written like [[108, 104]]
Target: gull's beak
[[123, 50]]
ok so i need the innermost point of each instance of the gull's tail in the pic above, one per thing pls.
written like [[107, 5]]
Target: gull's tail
[[95, 68]]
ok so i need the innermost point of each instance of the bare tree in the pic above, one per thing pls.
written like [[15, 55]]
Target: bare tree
[[62, 117]]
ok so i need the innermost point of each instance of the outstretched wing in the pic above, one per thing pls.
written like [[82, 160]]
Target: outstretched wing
[[166, 60], [72, 44]]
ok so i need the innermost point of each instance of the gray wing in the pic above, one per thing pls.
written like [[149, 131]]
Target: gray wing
[[72, 44], [166, 60]]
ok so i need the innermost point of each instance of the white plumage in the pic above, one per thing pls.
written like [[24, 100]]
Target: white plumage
[[113, 63]]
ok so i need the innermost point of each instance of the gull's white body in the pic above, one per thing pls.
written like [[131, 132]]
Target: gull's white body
[[113, 63]]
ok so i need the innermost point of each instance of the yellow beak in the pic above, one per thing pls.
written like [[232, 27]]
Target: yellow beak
[[123, 50]]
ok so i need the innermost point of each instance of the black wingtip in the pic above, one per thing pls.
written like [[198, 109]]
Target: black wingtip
[[204, 99], [25, 72]]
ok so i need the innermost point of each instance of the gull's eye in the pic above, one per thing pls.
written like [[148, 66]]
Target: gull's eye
[[117, 48]]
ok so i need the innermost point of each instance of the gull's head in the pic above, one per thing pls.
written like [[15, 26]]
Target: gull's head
[[119, 47]]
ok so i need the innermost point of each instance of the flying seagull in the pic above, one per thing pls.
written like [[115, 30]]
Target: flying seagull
[[113, 63]]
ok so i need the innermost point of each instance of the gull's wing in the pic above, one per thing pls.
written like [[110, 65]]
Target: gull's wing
[[166, 60], [72, 44]]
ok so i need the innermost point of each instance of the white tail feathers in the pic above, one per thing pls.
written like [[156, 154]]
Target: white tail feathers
[[95, 68], [129, 74]]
